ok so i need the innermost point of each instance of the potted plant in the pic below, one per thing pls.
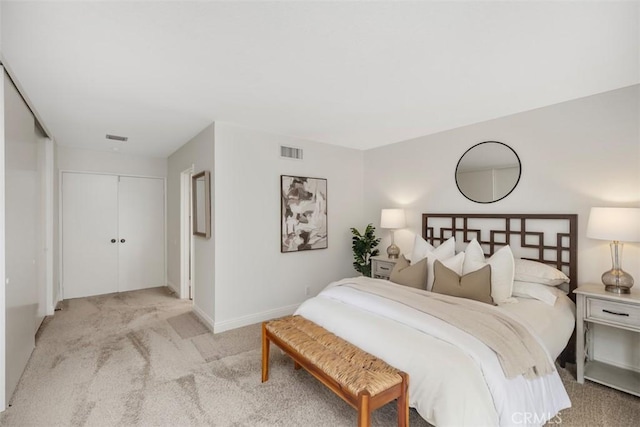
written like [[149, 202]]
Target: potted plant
[[363, 245]]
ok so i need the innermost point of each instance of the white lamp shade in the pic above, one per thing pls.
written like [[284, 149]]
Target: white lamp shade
[[621, 224], [392, 218]]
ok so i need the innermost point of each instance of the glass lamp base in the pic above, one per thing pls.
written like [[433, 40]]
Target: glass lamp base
[[393, 251], [617, 281], [617, 289]]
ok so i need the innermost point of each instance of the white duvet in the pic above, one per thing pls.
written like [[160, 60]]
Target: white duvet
[[455, 380]]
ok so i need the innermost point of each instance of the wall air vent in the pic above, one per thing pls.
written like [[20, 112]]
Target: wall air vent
[[291, 152], [117, 138]]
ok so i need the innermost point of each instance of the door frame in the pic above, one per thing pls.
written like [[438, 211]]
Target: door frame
[[186, 235], [60, 213], [49, 192]]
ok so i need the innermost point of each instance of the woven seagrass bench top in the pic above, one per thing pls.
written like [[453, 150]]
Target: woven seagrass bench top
[[352, 368]]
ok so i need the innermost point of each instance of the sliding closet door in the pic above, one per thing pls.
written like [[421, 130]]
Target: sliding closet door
[[141, 233], [22, 235], [89, 224]]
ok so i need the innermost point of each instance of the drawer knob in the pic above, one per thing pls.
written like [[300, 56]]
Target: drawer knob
[[384, 268], [615, 312]]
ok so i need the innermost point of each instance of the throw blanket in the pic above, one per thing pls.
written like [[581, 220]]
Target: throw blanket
[[517, 349]]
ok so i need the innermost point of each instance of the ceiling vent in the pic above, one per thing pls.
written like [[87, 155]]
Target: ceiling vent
[[291, 152], [117, 138]]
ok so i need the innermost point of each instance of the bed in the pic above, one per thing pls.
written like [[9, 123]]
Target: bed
[[455, 379]]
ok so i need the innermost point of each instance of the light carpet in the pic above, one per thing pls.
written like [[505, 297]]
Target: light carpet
[[117, 360], [187, 325]]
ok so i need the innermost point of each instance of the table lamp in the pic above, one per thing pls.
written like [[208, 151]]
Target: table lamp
[[617, 225], [392, 219]]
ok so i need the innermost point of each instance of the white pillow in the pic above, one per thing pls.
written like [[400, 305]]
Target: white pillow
[[537, 272], [502, 269], [544, 293], [422, 249]]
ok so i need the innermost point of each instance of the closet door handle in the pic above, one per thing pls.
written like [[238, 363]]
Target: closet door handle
[[113, 240], [122, 240]]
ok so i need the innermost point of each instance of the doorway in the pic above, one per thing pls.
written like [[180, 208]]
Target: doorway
[[186, 235]]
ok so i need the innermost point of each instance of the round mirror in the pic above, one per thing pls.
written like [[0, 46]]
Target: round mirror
[[488, 172]]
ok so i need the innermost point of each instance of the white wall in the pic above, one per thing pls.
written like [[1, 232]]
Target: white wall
[[56, 230], [75, 159], [254, 281], [1, 49], [574, 155], [198, 152]]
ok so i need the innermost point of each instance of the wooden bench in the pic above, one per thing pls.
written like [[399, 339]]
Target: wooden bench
[[360, 379]]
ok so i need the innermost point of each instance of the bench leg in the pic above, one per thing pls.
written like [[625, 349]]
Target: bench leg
[[364, 410], [403, 402], [265, 353]]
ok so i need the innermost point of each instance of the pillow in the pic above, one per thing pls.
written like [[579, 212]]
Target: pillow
[[475, 285], [422, 249], [502, 269], [454, 263], [414, 275], [537, 272], [544, 293]]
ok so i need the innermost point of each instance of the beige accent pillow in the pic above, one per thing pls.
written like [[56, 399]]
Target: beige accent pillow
[[502, 270], [414, 276], [475, 285], [422, 249]]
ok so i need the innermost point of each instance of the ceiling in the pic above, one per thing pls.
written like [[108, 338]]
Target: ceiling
[[356, 74]]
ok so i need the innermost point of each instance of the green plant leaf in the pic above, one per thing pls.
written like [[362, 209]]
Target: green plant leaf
[[363, 246]]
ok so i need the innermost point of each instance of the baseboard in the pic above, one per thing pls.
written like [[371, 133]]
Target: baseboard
[[173, 287], [52, 310], [204, 317], [251, 319]]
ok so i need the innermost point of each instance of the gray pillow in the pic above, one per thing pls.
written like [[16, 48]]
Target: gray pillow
[[475, 285], [414, 276]]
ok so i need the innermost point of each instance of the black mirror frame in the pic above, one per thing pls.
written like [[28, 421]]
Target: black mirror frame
[[455, 173]]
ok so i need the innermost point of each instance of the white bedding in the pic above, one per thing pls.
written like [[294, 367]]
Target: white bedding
[[455, 379], [552, 324]]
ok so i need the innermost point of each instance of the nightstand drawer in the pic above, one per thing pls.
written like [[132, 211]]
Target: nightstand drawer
[[383, 268], [613, 312]]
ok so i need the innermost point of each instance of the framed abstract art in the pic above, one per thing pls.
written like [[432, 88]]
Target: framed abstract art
[[303, 222]]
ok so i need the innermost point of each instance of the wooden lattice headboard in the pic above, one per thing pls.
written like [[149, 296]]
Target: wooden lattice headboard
[[548, 238]]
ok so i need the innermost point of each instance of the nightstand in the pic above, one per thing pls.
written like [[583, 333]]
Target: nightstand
[[595, 305], [381, 267]]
